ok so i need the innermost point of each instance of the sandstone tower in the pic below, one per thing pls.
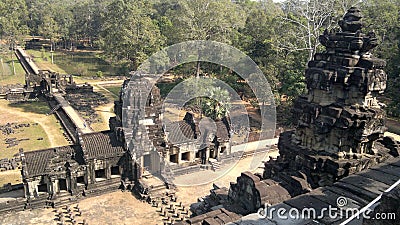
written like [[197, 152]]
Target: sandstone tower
[[340, 122]]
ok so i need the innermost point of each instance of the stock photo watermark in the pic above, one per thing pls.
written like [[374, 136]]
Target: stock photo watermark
[[340, 211], [136, 114]]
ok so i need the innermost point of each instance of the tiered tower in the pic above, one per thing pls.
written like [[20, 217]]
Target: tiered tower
[[340, 122]]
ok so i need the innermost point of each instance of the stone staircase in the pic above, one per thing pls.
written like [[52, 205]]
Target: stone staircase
[[103, 187], [65, 198], [39, 202], [12, 206], [96, 189]]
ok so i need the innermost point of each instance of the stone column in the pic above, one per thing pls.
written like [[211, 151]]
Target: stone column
[[52, 186], [27, 190], [207, 151], [179, 157], [108, 171], [192, 155]]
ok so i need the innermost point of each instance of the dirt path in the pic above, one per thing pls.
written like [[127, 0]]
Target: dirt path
[[105, 111]]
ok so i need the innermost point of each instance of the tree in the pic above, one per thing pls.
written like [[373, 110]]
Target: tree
[[209, 98], [383, 18], [202, 20], [259, 38], [217, 105], [129, 33], [88, 18], [304, 21], [12, 23]]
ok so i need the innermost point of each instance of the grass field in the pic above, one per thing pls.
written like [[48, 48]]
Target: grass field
[[104, 111], [84, 63], [6, 76], [48, 128], [43, 61], [114, 90], [33, 133]]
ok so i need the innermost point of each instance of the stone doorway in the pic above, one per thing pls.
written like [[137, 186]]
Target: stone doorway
[[62, 184], [80, 181], [186, 156], [100, 174], [146, 161], [42, 188], [173, 158], [115, 172]]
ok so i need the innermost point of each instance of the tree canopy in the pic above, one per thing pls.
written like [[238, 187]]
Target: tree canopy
[[279, 37]]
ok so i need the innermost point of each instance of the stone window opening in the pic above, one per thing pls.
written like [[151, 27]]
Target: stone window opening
[[186, 156], [173, 158], [62, 184], [222, 150]]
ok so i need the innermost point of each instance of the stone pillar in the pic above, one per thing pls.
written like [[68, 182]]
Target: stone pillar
[[108, 172], [90, 173], [52, 186], [27, 193], [73, 185], [192, 155], [31, 188], [207, 152]]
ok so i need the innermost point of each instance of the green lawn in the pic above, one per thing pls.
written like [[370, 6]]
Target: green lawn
[[6, 76], [33, 133], [165, 88], [115, 90], [84, 63], [39, 107], [32, 113]]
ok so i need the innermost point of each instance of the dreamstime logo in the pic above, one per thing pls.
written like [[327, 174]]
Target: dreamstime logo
[[137, 116], [330, 212], [341, 201]]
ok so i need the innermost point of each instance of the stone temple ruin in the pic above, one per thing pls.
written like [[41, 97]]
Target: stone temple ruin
[[98, 162], [339, 131], [164, 152], [340, 122]]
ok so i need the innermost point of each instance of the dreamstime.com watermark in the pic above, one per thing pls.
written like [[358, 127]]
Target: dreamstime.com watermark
[[136, 115], [332, 212]]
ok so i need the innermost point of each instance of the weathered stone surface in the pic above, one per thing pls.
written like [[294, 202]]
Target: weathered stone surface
[[251, 193], [389, 209], [377, 176], [340, 123], [340, 126]]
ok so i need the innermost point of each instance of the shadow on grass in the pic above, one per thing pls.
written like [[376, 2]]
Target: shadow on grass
[[114, 90], [34, 107], [88, 61]]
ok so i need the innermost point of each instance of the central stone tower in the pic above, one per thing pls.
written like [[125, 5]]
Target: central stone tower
[[340, 122]]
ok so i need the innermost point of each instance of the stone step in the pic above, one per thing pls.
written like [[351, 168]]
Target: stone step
[[14, 206], [158, 187], [102, 190]]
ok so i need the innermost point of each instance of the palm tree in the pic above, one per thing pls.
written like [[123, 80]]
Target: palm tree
[[217, 105]]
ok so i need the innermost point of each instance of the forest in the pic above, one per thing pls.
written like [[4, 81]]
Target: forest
[[279, 36]]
